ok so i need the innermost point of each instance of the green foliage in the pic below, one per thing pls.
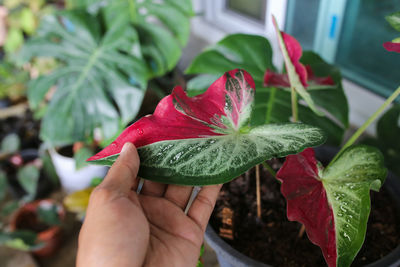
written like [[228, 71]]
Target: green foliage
[[28, 177], [108, 53], [162, 28], [12, 81], [10, 144], [22, 240], [96, 181], [23, 19], [49, 214], [219, 159], [3, 185], [387, 140], [347, 182], [9, 208], [394, 20], [49, 169], [254, 54], [80, 157], [96, 71]]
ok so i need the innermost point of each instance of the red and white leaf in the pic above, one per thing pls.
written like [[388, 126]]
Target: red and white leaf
[[333, 203], [207, 139], [281, 80], [392, 46], [178, 116], [297, 73]]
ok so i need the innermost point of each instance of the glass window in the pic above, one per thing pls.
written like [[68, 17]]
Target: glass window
[[302, 26], [360, 52], [254, 9], [357, 49]]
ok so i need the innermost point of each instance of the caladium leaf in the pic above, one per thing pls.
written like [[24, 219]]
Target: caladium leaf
[[394, 21], [297, 73], [206, 139], [333, 203], [392, 46], [254, 53]]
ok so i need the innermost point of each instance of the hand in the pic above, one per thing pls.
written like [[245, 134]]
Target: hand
[[122, 228]]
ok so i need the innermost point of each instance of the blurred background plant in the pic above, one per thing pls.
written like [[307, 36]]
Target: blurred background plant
[[20, 19]]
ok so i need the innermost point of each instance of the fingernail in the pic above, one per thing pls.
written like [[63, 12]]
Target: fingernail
[[125, 148]]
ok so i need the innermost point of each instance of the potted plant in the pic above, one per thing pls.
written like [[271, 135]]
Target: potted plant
[[22, 19], [208, 139], [110, 65], [35, 227]]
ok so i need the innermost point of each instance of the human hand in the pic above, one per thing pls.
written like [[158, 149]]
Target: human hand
[[122, 228]]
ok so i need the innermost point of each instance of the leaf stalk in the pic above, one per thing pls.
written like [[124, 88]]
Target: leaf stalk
[[367, 123]]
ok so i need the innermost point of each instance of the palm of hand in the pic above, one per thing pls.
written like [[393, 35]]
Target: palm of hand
[[125, 229]]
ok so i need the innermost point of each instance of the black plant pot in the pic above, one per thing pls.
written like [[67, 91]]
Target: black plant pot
[[230, 257]]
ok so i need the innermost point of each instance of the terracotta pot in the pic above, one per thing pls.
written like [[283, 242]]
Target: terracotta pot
[[51, 236]]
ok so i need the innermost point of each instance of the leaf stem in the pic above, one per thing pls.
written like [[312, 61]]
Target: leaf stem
[[132, 10], [368, 122], [269, 169], [258, 191], [270, 105], [294, 104]]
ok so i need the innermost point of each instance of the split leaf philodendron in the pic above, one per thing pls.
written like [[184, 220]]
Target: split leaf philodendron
[[207, 139], [333, 203]]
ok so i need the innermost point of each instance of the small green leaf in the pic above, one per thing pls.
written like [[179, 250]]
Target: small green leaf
[[28, 177], [96, 181], [199, 84], [22, 240], [15, 39], [394, 20], [10, 144], [80, 157], [3, 185], [49, 214], [9, 208], [28, 21]]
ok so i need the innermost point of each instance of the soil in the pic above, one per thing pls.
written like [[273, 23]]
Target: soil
[[274, 240]]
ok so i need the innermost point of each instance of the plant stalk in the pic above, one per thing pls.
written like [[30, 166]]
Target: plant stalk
[[258, 188], [294, 104], [367, 123], [269, 169]]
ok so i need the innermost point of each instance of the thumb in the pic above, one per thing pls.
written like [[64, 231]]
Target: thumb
[[123, 174]]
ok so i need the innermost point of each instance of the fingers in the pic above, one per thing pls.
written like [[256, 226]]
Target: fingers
[[122, 176], [178, 194], [153, 189], [203, 205]]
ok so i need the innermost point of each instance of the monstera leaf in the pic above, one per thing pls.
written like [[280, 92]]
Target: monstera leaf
[[98, 83], [163, 27], [207, 139], [333, 203], [273, 105]]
